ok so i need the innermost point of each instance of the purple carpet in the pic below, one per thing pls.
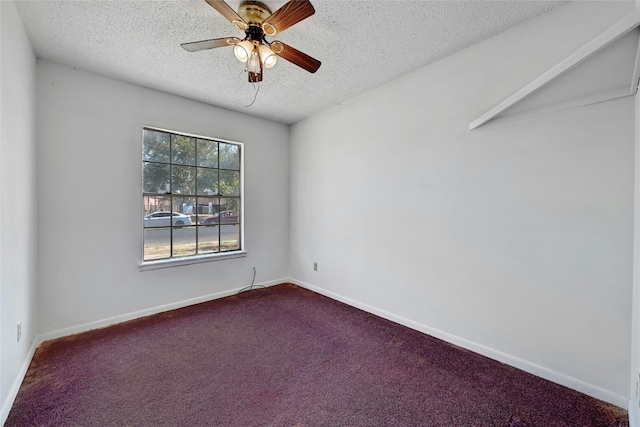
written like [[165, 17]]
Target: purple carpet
[[284, 356]]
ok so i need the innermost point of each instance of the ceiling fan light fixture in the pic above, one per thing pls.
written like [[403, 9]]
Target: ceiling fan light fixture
[[269, 29], [253, 64], [243, 50], [268, 57]]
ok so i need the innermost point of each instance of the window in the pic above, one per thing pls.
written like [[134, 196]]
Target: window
[[192, 195]]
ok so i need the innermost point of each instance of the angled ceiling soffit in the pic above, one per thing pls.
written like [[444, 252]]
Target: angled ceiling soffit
[[605, 68]]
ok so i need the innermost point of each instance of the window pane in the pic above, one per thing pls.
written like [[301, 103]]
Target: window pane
[[155, 178], [155, 146], [183, 180], [208, 239], [226, 203], [157, 243], [183, 150], [230, 211], [184, 241], [156, 203], [232, 204], [229, 237], [207, 208], [183, 211], [229, 183], [207, 181], [229, 156], [207, 153]]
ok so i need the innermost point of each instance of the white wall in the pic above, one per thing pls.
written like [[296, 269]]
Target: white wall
[[89, 195], [514, 240], [634, 392], [634, 374], [634, 403], [17, 203]]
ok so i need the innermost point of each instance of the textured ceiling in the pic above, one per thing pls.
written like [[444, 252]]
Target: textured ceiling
[[362, 44]]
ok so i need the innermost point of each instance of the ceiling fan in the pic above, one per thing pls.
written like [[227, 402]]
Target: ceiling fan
[[257, 22]]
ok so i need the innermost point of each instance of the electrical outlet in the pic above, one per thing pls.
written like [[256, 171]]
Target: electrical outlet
[[315, 266], [19, 331]]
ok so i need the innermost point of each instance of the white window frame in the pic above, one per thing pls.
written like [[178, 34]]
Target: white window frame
[[200, 258]]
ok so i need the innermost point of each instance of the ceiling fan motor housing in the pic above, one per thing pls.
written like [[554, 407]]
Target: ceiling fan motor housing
[[254, 33], [254, 12]]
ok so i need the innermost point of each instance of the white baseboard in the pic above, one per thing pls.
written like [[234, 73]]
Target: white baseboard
[[147, 312], [634, 412], [532, 368], [15, 387], [567, 381], [8, 403]]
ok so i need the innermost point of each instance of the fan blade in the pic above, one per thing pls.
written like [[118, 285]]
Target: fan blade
[[291, 13], [226, 11], [210, 44], [296, 57]]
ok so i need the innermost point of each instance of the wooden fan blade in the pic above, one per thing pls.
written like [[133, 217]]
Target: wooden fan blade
[[296, 57], [226, 11], [291, 13], [210, 44]]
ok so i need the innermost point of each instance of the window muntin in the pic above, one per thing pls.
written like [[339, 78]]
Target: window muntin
[[192, 195]]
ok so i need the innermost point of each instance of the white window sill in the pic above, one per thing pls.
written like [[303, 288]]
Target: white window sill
[[177, 262]]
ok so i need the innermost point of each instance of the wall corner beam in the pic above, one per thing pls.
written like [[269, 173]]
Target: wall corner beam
[[608, 36]]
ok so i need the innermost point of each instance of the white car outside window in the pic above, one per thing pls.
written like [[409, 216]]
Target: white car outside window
[[161, 219]]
